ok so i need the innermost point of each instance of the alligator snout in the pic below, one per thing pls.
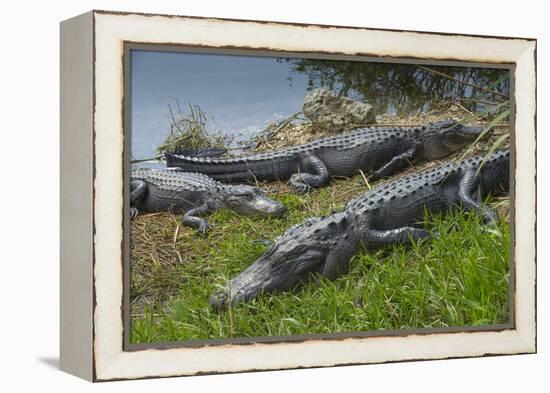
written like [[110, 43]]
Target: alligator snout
[[268, 207], [247, 200], [222, 300], [471, 132], [219, 302]]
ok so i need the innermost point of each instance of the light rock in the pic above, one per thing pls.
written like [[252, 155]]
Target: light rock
[[328, 111]]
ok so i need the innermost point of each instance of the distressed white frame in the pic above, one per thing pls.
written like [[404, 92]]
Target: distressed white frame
[[109, 360]]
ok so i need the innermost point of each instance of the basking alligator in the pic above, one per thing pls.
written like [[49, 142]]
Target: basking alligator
[[379, 151], [156, 190], [390, 213]]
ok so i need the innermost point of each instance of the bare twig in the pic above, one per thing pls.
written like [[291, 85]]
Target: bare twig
[[280, 126], [174, 122], [473, 100], [464, 109], [498, 93], [365, 179]]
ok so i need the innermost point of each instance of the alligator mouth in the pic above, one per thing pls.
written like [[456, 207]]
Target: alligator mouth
[[245, 288], [458, 136], [471, 132], [223, 300], [276, 211], [272, 272], [266, 207]]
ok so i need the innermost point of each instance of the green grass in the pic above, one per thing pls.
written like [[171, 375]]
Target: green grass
[[460, 277]]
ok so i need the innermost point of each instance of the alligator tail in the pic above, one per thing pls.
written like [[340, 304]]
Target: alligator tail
[[224, 169], [203, 152]]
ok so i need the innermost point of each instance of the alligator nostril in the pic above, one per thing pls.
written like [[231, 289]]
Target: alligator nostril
[[218, 302], [278, 211]]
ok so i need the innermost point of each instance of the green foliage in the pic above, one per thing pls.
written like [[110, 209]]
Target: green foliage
[[459, 277]]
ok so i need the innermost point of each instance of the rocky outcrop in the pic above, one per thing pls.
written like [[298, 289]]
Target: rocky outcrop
[[328, 111]]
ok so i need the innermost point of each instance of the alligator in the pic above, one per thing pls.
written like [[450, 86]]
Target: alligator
[[390, 213], [157, 190], [378, 151]]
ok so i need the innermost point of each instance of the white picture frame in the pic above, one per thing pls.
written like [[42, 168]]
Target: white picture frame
[[93, 343]]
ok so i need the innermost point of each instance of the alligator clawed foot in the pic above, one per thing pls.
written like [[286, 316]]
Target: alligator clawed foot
[[490, 218], [204, 228], [301, 188], [299, 184]]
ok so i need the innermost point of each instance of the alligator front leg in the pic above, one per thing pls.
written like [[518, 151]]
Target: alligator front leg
[[470, 199], [403, 235], [191, 219], [314, 175], [138, 189], [398, 162]]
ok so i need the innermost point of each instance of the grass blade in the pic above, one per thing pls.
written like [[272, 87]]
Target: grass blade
[[487, 128], [494, 146]]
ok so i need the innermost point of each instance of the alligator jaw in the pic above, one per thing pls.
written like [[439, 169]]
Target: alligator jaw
[[470, 132], [301, 251], [247, 200], [457, 137], [449, 138], [245, 286], [282, 267], [266, 207], [260, 206]]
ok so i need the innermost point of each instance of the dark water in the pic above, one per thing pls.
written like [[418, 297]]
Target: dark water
[[402, 88], [243, 94]]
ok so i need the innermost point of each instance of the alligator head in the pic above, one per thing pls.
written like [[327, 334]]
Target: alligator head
[[248, 200], [319, 245], [439, 139]]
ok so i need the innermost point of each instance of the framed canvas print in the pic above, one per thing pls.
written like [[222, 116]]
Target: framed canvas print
[[247, 195]]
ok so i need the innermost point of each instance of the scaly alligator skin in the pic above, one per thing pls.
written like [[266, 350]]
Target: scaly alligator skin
[[157, 190], [378, 151], [390, 213]]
